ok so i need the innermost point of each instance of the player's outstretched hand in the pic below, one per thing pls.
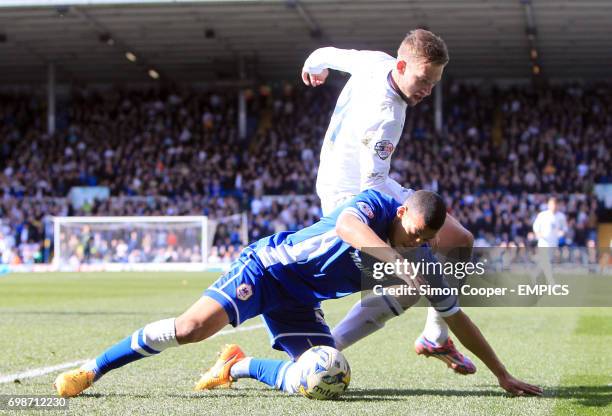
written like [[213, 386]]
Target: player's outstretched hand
[[517, 387], [314, 80]]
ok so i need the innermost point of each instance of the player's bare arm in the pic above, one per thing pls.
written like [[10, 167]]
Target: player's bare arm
[[471, 337], [359, 235]]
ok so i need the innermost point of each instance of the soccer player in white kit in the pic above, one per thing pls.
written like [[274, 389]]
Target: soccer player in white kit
[[363, 132], [549, 226]]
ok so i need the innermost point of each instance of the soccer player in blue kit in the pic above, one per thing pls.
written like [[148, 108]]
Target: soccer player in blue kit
[[284, 277]]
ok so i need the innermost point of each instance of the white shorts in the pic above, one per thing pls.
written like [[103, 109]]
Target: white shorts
[[331, 203]]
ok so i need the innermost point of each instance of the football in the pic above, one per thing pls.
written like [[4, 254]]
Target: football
[[325, 373]]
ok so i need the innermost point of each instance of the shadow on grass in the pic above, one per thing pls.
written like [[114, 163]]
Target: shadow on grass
[[588, 396], [234, 392], [399, 394], [254, 393]]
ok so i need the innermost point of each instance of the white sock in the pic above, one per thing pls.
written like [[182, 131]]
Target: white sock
[[436, 329], [161, 334], [365, 317], [290, 381], [241, 369]]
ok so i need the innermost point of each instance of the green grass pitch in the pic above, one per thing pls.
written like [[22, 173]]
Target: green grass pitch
[[50, 319]]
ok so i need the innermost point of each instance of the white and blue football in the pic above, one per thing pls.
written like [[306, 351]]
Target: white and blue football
[[325, 373]]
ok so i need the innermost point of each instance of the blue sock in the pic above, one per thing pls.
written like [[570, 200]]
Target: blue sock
[[122, 353], [147, 341], [266, 371], [273, 373]]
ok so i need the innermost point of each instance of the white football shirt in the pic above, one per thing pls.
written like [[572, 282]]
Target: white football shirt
[[364, 129]]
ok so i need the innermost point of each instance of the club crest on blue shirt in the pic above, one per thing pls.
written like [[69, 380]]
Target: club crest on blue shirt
[[365, 209], [244, 291], [384, 148]]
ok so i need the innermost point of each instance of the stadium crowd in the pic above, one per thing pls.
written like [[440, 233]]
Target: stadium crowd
[[501, 154]]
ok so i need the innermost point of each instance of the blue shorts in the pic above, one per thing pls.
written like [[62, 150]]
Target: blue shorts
[[247, 290]]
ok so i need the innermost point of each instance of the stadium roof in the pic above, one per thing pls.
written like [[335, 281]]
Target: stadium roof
[[203, 40]]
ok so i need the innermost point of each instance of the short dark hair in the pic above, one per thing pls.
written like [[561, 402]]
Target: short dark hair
[[423, 44], [430, 205]]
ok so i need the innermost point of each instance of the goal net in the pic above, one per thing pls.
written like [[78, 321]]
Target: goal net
[[154, 243]]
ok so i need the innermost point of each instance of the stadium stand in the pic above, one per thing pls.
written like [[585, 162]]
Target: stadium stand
[[503, 151]]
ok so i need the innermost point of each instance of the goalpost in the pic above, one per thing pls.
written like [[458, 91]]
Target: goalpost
[[139, 243]]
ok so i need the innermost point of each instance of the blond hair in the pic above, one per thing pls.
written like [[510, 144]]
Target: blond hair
[[423, 44]]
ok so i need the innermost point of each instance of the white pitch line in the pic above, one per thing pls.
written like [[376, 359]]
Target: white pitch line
[[39, 371], [36, 372]]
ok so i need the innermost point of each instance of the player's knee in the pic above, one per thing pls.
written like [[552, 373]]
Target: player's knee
[[189, 330]]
